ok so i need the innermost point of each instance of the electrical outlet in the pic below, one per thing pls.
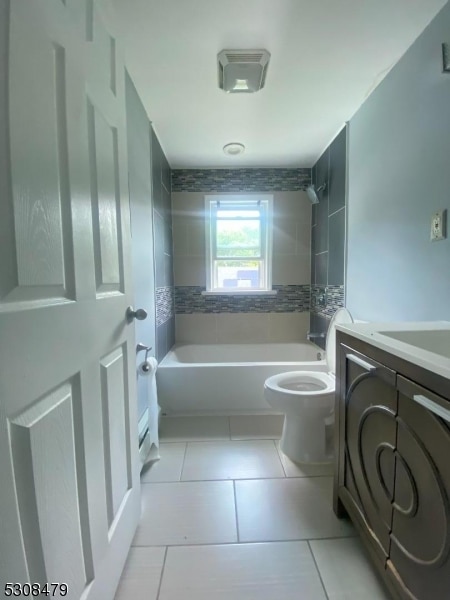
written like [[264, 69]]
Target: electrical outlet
[[439, 225]]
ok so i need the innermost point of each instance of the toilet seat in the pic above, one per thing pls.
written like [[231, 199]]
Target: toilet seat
[[295, 383], [325, 382]]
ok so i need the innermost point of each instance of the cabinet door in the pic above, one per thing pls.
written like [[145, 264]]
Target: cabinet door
[[420, 529], [369, 433]]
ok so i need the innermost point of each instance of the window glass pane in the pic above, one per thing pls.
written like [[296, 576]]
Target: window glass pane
[[237, 214], [238, 252], [244, 235], [238, 274]]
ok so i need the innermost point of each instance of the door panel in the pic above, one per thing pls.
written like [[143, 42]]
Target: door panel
[[103, 163], [49, 498], [115, 420], [40, 249], [68, 424]]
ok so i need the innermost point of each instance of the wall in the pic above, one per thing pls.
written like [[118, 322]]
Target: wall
[[328, 236], [229, 319], [162, 223], [399, 152]]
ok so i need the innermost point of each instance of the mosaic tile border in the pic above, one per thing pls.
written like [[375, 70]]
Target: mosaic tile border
[[289, 298], [165, 305], [334, 296], [240, 180]]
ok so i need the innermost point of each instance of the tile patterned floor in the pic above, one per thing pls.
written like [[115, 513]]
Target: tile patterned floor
[[226, 515]]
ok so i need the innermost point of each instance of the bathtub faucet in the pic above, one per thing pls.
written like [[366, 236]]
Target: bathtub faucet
[[311, 336]]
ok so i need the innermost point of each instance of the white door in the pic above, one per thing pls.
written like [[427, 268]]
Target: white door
[[69, 486]]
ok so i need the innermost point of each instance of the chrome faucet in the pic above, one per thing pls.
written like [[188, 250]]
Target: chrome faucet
[[311, 336]]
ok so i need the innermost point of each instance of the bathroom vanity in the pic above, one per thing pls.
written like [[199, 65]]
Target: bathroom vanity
[[392, 448]]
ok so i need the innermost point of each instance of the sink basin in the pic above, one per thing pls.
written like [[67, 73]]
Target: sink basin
[[431, 340]]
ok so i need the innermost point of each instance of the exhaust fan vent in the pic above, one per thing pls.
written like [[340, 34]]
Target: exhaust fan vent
[[242, 71], [249, 58]]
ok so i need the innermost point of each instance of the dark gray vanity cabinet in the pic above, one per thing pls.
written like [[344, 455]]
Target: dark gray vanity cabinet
[[392, 474]]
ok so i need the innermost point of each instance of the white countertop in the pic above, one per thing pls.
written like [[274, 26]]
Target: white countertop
[[372, 334]]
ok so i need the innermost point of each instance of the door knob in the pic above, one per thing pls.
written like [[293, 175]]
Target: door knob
[[140, 314]]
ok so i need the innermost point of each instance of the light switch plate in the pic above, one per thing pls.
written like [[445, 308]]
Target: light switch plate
[[446, 58], [439, 225]]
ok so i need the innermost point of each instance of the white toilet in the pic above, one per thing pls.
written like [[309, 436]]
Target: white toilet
[[307, 400]]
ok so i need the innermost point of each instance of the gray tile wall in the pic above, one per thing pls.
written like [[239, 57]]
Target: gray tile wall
[[325, 300], [240, 180], [328, 236], [162, 221], [289, 298]]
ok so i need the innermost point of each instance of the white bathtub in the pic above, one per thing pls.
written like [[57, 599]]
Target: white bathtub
[[227, 379]]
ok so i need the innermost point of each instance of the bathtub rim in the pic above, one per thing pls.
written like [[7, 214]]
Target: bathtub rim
[[170, 360]]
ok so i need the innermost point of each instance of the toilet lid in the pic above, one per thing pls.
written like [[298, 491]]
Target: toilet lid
[[340, 316]]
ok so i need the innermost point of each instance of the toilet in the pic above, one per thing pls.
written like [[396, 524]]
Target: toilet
[[307, 400]]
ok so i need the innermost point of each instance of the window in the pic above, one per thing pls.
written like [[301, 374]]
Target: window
[[239, 243]]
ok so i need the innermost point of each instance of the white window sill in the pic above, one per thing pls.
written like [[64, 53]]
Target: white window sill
[[241, 293]]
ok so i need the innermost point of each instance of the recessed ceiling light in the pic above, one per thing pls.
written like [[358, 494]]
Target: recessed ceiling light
[[234, 148]]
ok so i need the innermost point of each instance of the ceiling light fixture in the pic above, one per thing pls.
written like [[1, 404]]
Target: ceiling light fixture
[[234, 148]]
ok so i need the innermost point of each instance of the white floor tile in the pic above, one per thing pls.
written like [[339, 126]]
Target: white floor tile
[[256, 427], [142, 574], [346, 571], [187, 513], [188, 429], [168, 467], [293, 469], [231, 460], [288, 509], [276, 571]]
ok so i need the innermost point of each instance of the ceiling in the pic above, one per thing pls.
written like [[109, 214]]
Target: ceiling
[[327, 57]]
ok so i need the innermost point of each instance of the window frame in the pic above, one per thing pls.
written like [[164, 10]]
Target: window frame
[[264, 203]]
